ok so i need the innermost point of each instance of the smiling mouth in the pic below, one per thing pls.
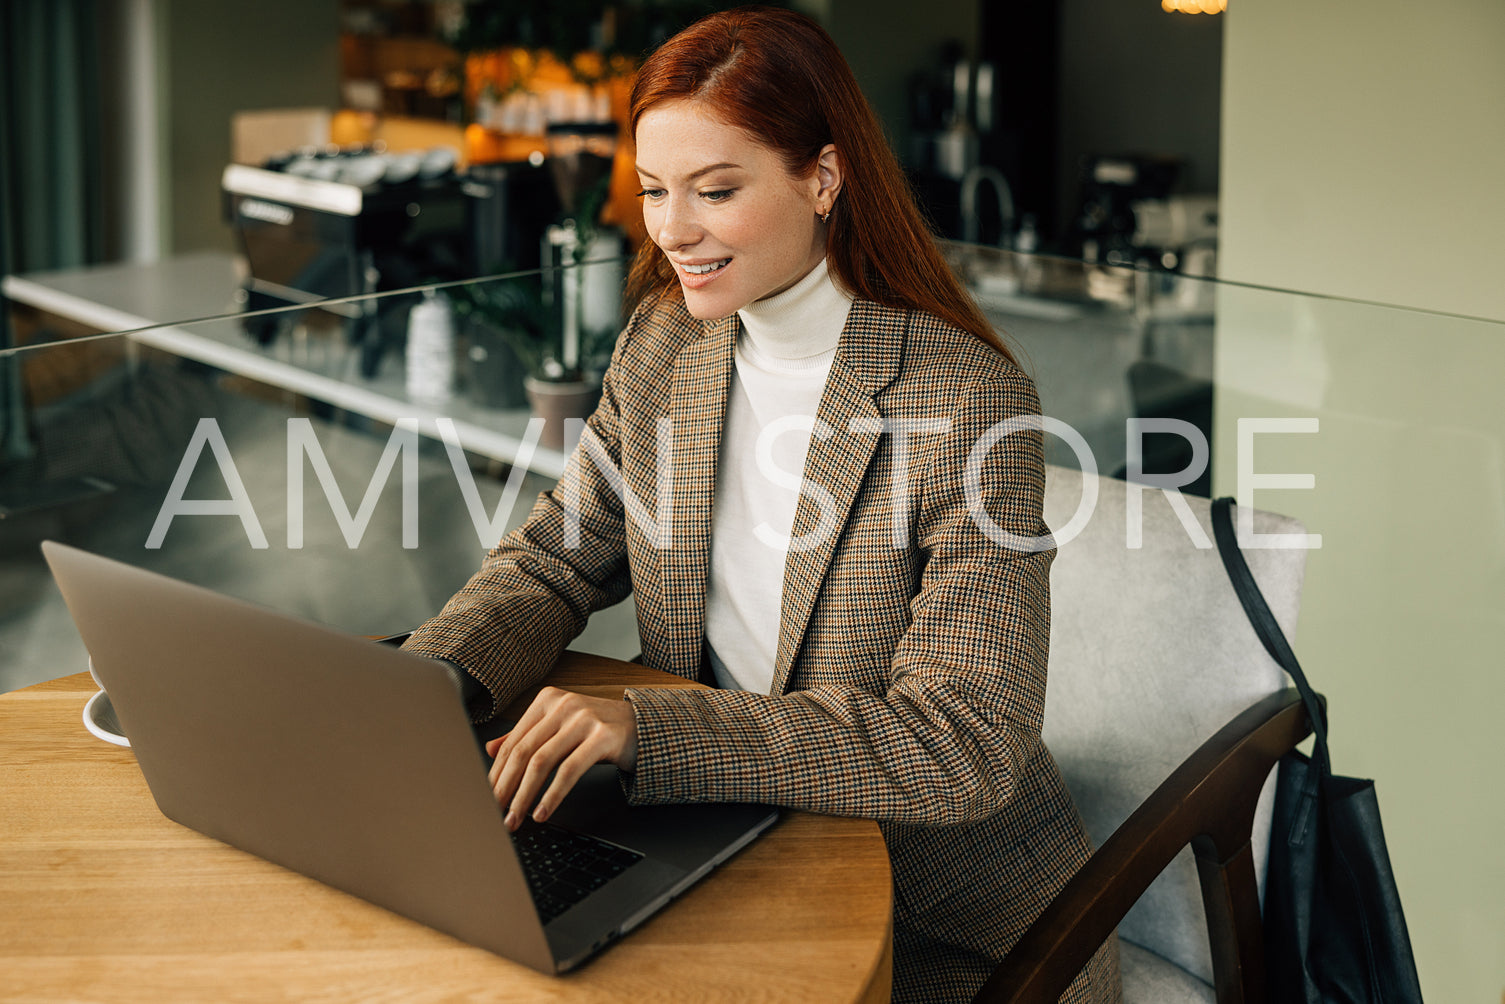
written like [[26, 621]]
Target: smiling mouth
[[707, 268]]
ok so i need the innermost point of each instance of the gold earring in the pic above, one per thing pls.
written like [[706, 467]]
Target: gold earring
[[825, 216]]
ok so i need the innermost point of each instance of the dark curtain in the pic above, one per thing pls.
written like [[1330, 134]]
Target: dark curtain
[[51, 179]]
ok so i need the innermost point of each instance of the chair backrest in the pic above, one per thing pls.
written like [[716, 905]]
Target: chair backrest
[[1150, 654]]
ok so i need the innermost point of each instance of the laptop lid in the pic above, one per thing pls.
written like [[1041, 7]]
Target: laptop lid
[[352, 763]]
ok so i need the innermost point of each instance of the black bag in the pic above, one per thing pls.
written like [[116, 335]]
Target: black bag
[[1334, 930]]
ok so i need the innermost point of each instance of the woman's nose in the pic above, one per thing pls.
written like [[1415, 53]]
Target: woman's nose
[[677, 227]]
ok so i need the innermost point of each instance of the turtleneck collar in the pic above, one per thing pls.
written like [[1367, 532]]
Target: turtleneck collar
[[803, 321]]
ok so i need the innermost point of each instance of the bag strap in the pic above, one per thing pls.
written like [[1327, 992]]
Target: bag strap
[[1264, 622]]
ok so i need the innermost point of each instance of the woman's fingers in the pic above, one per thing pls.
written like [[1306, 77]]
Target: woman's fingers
[[582, 759], [602, 732], [528, 756], [535, 771], [551, 728], [501, 747], [563, 734]]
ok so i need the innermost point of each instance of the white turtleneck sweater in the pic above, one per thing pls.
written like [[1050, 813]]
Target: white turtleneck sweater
[[784, 352]]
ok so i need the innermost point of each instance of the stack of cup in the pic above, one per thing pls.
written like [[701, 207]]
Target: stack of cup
[[431, 350]]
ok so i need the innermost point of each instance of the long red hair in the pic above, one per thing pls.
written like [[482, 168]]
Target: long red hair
[[777, 75]]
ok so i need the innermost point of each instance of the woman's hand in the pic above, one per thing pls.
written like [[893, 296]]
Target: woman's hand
[[563, 730]]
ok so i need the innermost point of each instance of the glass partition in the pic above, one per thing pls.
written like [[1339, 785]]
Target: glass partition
[[280, 455], [1104, 344], [1379, 427], [1396, 427]]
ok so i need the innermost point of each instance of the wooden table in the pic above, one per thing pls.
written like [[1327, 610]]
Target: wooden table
[[104, 898]]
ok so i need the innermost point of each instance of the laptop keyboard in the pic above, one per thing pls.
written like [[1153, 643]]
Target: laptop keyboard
[[564, 867]]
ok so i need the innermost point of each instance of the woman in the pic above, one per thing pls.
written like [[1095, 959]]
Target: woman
[[866, 585]]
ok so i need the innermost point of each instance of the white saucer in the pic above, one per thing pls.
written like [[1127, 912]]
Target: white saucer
[[99, 718]]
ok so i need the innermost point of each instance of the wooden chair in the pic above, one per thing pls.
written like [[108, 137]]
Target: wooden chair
[[1166, 716]]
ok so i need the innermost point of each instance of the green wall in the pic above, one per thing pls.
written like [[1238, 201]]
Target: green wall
[[1363, 152]]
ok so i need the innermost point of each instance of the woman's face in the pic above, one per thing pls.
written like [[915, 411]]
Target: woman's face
[[736, 225]]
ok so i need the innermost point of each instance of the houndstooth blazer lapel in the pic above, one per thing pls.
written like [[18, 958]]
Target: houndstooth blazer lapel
[[702, 375], [867, 360]]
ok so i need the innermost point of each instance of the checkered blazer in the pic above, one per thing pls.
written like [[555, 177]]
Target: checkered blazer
[[909, 685]]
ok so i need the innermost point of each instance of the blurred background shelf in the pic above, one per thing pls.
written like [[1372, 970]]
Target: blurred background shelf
[[319, 366]]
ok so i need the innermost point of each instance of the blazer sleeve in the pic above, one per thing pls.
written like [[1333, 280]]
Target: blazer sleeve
[[510, 622], [959, 725]]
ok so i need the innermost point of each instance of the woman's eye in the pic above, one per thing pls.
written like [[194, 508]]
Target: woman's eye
[[651, 193], [719, 195]]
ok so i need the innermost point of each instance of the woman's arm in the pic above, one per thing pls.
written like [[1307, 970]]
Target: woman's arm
[[509, 624]]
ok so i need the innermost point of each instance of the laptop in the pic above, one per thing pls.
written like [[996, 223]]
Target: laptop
[[354, 764]]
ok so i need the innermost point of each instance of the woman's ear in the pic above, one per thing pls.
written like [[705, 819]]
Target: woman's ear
[[828, 176]]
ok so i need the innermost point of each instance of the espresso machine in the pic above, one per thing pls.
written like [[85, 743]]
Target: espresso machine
[[1104, 227], [509, 207], [327, 223]]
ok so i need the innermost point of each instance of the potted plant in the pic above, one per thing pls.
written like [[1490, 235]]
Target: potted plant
[[540, 319]]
